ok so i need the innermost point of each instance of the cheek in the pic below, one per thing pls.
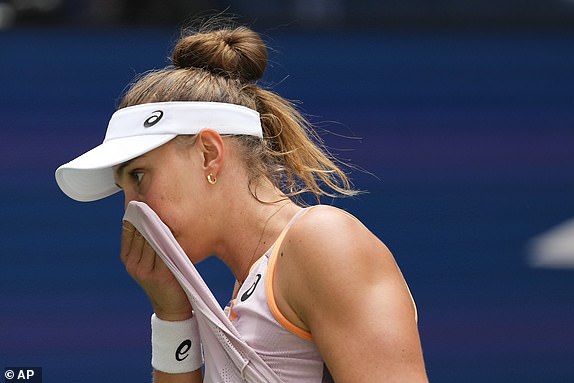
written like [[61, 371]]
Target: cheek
[[185, 223], [175, 199], [166, 211], [174, 208], [164, 204]]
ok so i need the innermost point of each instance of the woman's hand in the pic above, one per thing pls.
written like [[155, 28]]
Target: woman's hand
[[168, 299]]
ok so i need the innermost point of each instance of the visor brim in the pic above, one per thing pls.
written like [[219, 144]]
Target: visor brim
[[90, 177]]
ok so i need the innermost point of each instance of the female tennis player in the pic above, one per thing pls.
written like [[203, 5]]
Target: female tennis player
[[222, 162]]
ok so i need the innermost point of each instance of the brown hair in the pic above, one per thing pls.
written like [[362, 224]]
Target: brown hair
[[221, 62]]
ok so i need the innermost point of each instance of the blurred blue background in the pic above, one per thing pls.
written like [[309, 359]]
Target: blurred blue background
[[463, 111]]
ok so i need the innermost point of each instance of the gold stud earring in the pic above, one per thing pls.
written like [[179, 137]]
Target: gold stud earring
[[211, 179]]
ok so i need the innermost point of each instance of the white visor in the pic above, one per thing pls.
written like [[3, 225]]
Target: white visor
[[136, 130]]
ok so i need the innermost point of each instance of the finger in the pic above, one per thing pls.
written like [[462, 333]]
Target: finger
[[160, 266], [128, 226], [128, 231], [147, 260], [135, 253]]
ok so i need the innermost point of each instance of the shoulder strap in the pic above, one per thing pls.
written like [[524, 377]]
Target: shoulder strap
[[295, 218]]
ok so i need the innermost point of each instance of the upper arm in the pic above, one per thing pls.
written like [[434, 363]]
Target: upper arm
[[346, 288]]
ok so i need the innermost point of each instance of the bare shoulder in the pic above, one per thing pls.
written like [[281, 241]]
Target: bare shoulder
[[326, 233], [339, 282], [327, 253]]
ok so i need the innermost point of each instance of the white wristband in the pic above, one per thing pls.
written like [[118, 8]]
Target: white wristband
[[176, 346]]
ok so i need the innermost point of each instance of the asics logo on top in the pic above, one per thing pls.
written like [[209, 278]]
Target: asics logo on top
[[153, 119], [248, 293]]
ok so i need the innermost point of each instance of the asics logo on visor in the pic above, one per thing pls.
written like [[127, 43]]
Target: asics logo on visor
[[153, 119]]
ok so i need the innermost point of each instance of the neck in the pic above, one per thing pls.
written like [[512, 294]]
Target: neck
[[253, 230], [262, 244]]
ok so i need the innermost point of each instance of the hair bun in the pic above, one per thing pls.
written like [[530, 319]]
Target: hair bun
[[235, 53]]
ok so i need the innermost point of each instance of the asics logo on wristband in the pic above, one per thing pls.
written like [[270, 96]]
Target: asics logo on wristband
[[182, 351], [153, 119], [175, 345], [249, 292]]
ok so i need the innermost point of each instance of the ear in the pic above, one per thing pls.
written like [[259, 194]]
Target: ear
[[210, 145]]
